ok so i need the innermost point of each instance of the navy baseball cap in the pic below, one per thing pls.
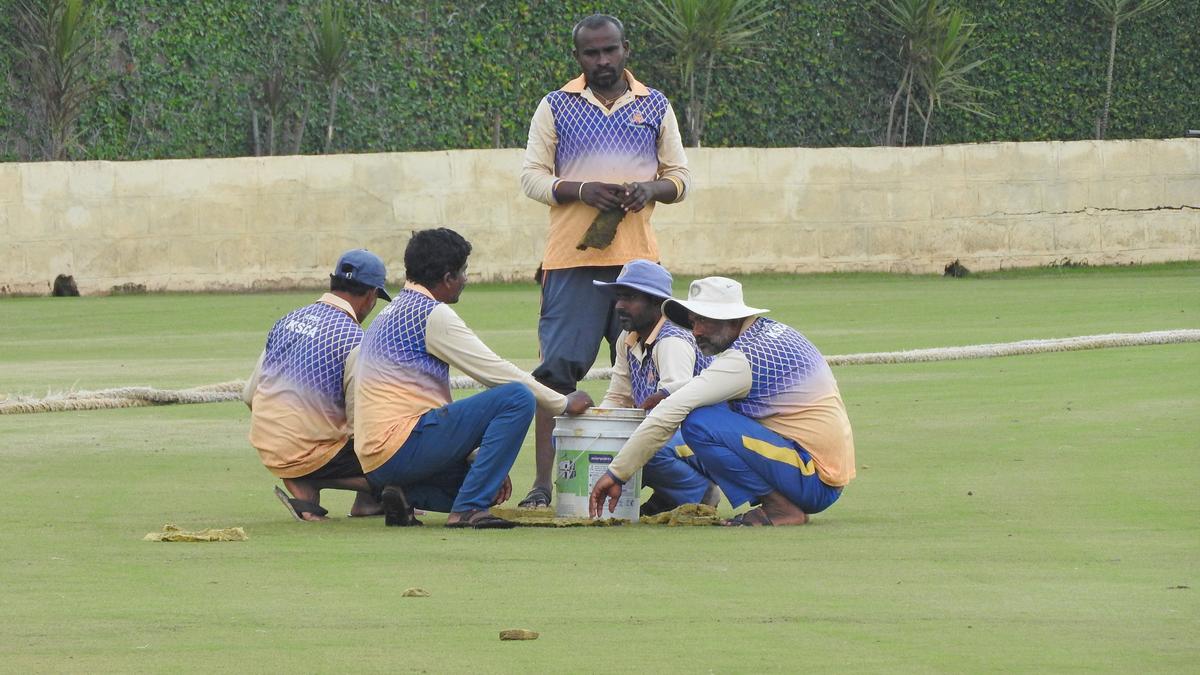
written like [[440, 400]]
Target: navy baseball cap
[[364, 267], [645, 276]]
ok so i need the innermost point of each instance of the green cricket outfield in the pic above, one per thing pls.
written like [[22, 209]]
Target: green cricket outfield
[[1031, 513]]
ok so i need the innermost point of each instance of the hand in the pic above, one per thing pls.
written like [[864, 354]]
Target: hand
[[604, 196], [606, 488], [578, 401], [636, 196], [653, 400], [504, 493]]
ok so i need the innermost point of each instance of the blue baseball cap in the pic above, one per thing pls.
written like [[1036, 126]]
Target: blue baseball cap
[[645, 276], [364, 267]]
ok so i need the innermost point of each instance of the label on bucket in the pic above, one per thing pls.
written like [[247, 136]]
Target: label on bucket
[[578, 471]]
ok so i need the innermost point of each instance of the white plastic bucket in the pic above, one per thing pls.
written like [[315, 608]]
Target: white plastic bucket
[[584, 447]]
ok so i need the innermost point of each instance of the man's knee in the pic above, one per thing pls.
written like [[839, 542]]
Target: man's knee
[[517, 396], [700, 424]]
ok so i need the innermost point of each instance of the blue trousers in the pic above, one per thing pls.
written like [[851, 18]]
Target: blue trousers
[[432, 466], [747, 460], [672, 476]]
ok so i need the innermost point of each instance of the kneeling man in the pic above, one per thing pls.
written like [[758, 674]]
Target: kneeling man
[[654, 358], [414, 442], [765, 419], [301, 392]]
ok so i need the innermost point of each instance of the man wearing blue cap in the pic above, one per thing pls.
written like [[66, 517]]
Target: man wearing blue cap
[[301, 393], [655, 357]]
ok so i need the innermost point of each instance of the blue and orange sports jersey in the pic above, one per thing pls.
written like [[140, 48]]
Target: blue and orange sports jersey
[[644, 374], [398, 380], [297, 395]]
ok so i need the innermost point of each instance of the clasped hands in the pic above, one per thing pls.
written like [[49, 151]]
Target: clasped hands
[[610, 196]]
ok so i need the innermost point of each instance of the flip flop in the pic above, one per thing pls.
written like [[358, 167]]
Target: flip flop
[[299, 507], [481, 520], [538, 498], [397, 512], [759, 519]]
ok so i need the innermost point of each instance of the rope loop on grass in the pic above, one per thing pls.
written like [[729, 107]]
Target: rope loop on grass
[[134, 397]]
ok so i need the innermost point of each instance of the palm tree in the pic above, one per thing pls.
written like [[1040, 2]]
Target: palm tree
[[698, 33], [913, 22], [934, 52], [1117, 12], [943, 76], [329, 58], [58, 39]]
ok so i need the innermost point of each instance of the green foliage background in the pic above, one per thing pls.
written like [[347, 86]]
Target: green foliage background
[[179, 77]]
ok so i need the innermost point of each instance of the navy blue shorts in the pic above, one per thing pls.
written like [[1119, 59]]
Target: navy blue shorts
[[575, 316]]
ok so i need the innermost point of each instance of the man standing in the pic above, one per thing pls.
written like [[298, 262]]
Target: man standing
[[604, 142], [301, 392], [654, 358], [765, 419], [414, 442]]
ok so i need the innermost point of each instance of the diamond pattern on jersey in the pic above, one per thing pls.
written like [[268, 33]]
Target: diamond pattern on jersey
[[644, 378], [584, 130], [308, 348], [397, 337], [781, 359]]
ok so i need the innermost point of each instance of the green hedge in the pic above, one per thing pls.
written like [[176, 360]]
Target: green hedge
[[179, 76]]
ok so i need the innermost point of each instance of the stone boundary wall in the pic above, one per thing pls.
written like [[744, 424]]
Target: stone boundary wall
[[277, 222]]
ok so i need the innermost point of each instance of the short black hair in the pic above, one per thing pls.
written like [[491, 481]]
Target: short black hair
[[355, 288], [596, 21], [431, 254]]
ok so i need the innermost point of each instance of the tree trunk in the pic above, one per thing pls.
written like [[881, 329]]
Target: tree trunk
[[1102, 128], [928, 116], [333, 94], [690, 112], [890, 139], [907, 109], [703, 112], [254, 132]]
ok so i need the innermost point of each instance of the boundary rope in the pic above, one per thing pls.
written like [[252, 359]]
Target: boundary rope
[[134, 397]]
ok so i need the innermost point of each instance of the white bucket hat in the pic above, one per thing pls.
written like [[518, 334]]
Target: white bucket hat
[[713, 298]]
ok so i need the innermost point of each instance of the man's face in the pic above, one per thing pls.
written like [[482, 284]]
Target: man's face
[[455, 283], [637, 311], [601, 54], [714, 336], [372, 298]]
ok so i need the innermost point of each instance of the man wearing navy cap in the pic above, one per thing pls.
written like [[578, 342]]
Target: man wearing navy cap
[[655, 357], [301, 395]]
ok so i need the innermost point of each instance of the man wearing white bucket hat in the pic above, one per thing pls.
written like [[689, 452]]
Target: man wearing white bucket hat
[[654, 358], [765, 420]]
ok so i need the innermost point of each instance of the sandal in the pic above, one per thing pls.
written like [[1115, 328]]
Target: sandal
[[538, 498], [397, 512], [299, 507], [481, 520], [752, 518]]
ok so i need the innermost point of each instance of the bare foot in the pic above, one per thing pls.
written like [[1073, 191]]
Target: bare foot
[[776, 510], [365, 505]]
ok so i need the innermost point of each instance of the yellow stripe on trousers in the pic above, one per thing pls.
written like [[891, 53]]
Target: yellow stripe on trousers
[[778, 454]]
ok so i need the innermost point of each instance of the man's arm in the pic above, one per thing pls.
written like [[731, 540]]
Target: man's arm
[[252, 383], [727, 378], [450, 340], [620, 393], [672, 161], [676, 361], [537, 170]]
